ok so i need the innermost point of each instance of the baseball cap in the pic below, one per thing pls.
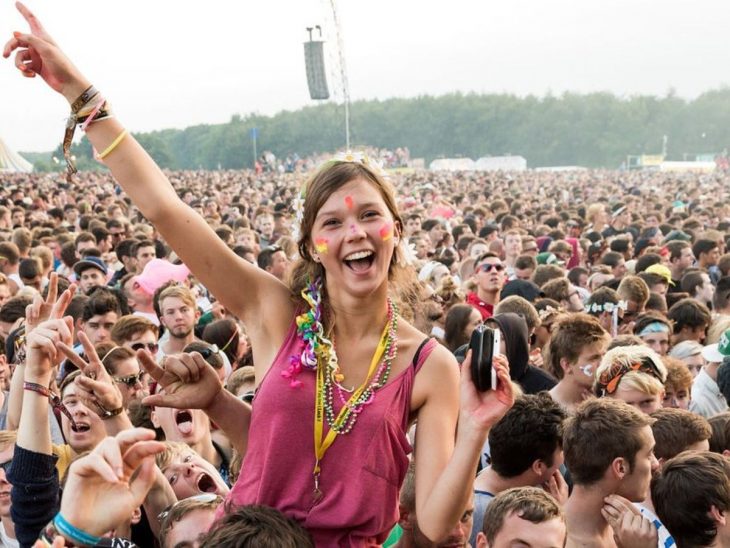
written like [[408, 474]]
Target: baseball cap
[[677, 235], [547, 258], [90, 262], [663, 271], [522, 288], [617, 210], [715, 353]]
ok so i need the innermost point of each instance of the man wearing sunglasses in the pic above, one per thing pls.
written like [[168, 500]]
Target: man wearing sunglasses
[[489, 277], [135, 332]]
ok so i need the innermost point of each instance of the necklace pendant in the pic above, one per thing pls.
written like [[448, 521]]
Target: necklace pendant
[[316, 493]]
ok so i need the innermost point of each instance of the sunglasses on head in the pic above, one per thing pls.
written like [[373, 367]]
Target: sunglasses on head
[[152, 347], [208, 351], [205, 498], [131, 380], [487, 267]]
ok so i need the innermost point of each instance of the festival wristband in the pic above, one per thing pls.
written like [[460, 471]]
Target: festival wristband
[[61, 526]]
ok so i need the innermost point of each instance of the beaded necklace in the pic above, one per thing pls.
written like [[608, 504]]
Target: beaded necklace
[[318, 353]]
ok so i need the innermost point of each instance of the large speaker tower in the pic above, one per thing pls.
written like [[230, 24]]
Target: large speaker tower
[[316, 74]]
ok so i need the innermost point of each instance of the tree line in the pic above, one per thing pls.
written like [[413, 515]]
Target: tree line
[[592, 130]]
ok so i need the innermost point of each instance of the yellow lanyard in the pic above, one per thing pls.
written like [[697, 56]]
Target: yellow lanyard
[[322, 444]]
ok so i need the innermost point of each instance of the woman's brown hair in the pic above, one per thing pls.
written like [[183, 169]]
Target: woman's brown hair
[[326, 181]]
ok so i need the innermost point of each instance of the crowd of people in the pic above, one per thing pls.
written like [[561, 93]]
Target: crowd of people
[[272, 358]]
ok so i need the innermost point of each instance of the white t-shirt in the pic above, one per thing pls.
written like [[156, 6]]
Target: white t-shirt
[[5, 540]]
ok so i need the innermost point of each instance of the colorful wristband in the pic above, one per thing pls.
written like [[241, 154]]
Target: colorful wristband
[[108, 150], [74, 533]]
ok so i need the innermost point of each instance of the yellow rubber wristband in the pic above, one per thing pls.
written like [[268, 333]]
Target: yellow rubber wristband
[[108, 150]]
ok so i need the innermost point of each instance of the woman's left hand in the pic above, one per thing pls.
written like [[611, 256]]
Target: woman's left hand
[[482, 410]]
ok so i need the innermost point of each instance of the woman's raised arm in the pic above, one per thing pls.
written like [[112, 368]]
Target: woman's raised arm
[[243, 288]]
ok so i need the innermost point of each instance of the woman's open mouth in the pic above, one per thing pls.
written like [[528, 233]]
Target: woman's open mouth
[[360, 261]]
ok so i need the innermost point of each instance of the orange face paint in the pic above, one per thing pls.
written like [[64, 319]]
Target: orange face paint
[[321, 245], [349, 203], [386, 231]]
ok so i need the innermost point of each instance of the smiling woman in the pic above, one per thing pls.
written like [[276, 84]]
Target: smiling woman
[[341, 374]]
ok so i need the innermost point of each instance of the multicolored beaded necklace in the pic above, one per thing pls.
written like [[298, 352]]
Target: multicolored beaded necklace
[[319, 354]]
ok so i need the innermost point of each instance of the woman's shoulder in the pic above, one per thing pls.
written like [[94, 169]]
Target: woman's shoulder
[[439, 372]]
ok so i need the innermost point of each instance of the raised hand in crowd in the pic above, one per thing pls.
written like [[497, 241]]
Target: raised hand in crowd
[[96, 387], [106, 486], [46, 326], [482, 410], [38, 54], [189, 382]]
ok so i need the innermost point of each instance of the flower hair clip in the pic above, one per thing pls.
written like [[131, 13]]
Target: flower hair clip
[[606, 307], [548, 311]]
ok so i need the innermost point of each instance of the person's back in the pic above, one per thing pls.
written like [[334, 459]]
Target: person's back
[[692, 497]]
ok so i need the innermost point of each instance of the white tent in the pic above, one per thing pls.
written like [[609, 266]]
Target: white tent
[[501, 163], [452, 164], [12, 162]]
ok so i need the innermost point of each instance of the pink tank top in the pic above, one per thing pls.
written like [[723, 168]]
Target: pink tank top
[[361, 472]]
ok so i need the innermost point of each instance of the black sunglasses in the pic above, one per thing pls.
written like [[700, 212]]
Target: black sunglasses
[[6, 466], [152, 347], [131, 380], [486, 267]]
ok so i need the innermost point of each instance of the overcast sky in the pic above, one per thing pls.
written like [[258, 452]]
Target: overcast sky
[[165, 63]]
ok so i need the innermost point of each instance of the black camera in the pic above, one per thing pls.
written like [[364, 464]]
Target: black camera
[[484, 345]]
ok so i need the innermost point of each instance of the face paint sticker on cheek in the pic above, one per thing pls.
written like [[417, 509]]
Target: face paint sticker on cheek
[[386, 231], [349, 203], [321, 245]]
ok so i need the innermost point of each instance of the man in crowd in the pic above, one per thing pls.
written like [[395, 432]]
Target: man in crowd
[[489, 276], [523, 516], [690, 321], [609, 450], [136, 333], [144, 252], [680, 259], [692, 498], [577, 345], [708, 255], [274, 261], [90, 272], [100, 313], [512, 249], [699, 286], [178, 314], [526, 450]]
